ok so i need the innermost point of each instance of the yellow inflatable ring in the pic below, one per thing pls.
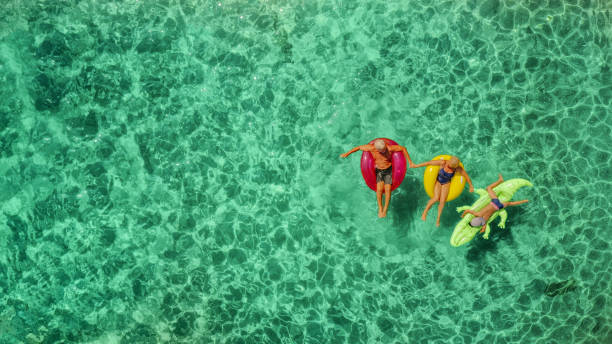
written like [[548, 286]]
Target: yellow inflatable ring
[[431, 174]]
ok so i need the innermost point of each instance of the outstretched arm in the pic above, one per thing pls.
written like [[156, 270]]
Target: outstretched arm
[[406, 155], [433, 162], [467, 178], [484, 227], [363, 148], [468, 211], [487, 232]]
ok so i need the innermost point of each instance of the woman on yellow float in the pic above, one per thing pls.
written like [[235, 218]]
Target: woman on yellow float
[[444, 180]]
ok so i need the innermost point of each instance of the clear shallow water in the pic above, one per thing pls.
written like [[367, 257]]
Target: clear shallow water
[[169, 171]]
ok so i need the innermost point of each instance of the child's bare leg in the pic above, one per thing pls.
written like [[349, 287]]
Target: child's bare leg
[[387, 199], [434, 199], [492, 193], [443, 194], [379, 191], [515, 202]]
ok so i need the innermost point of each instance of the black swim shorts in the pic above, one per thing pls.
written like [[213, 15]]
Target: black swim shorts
[[384, 175]]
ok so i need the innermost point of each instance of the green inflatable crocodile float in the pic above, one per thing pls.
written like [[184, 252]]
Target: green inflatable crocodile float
[[463, 232]]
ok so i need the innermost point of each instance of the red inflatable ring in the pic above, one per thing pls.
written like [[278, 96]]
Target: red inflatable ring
[[399, 166]]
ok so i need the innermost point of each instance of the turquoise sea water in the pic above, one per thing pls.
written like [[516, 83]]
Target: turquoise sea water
[[169, 170]]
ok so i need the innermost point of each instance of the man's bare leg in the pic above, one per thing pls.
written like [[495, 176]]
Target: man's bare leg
[[432, 200], [492, 193], [379, 190], [387, 199], [443, 194]]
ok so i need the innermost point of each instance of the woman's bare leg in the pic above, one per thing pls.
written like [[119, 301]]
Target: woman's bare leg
[[434, 199], [443, 194]]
